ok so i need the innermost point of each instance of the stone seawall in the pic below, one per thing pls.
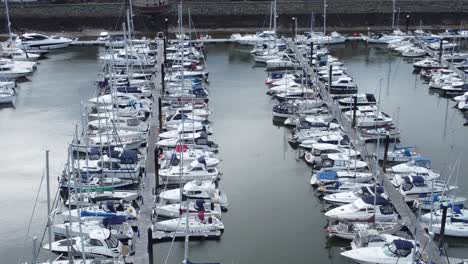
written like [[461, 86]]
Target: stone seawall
[[237, 14]]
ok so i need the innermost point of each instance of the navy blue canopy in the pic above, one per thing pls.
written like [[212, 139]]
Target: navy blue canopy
[[128, 90], [378, 201], [276, 75], [128, 156], [403, 244], [456, 209], [94, 151], [114, 220], [459, 220], [327, 175], [370, 98], [414, 179]]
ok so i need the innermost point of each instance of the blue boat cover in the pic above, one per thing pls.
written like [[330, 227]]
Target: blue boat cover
[[378, 201], [128, 156], [458, 220], [456, 209], [94, 151], [403, 244], [114, 220], [100, 214], [327, 175]]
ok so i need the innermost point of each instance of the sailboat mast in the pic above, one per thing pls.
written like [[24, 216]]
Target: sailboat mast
[[312, 23], [274, 16], [8, 20], [271, 14], [189, 27], [324, 17], [49, 229], [393, 14], [130, 25]]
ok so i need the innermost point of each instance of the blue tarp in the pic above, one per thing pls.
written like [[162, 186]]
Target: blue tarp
[[327, 175], [99, 214]]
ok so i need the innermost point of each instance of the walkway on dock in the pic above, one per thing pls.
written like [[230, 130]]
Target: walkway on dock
[[407, 216], [148, 181], [435, 56]]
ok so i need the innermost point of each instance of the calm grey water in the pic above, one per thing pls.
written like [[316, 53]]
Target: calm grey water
[[47, 109], [273, 216]]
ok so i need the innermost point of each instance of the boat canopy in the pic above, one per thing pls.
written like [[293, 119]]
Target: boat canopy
[[416, 180], [128, 156], [403, 244], [370, 98], [96, 214], [114, 220], [379, 200], [327, 175]]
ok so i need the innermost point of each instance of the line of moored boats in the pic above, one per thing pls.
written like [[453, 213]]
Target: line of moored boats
[[359, 208]]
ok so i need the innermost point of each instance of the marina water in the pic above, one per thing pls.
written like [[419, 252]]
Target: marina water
[[273, 215]]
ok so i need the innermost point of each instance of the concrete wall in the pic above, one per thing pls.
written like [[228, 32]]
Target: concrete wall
[[236, 14]]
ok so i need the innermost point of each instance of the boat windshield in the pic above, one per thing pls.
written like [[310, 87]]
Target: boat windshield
[[112, 241], [390, 250]]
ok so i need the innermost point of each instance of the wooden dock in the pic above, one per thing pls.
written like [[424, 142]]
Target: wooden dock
[[148, 182], [407, 216]]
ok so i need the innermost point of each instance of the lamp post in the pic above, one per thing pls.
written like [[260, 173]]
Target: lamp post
[[407, 23], [294, 28]]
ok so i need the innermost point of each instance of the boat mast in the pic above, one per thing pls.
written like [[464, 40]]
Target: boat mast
[[324, 17], [130, 25], [393, 14], [378, 149], [189, 27], [49, 230], [271, 14], [274, 16], [8, 21], [312, 24]]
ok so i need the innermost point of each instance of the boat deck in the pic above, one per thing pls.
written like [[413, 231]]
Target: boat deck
[[407, 216]]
